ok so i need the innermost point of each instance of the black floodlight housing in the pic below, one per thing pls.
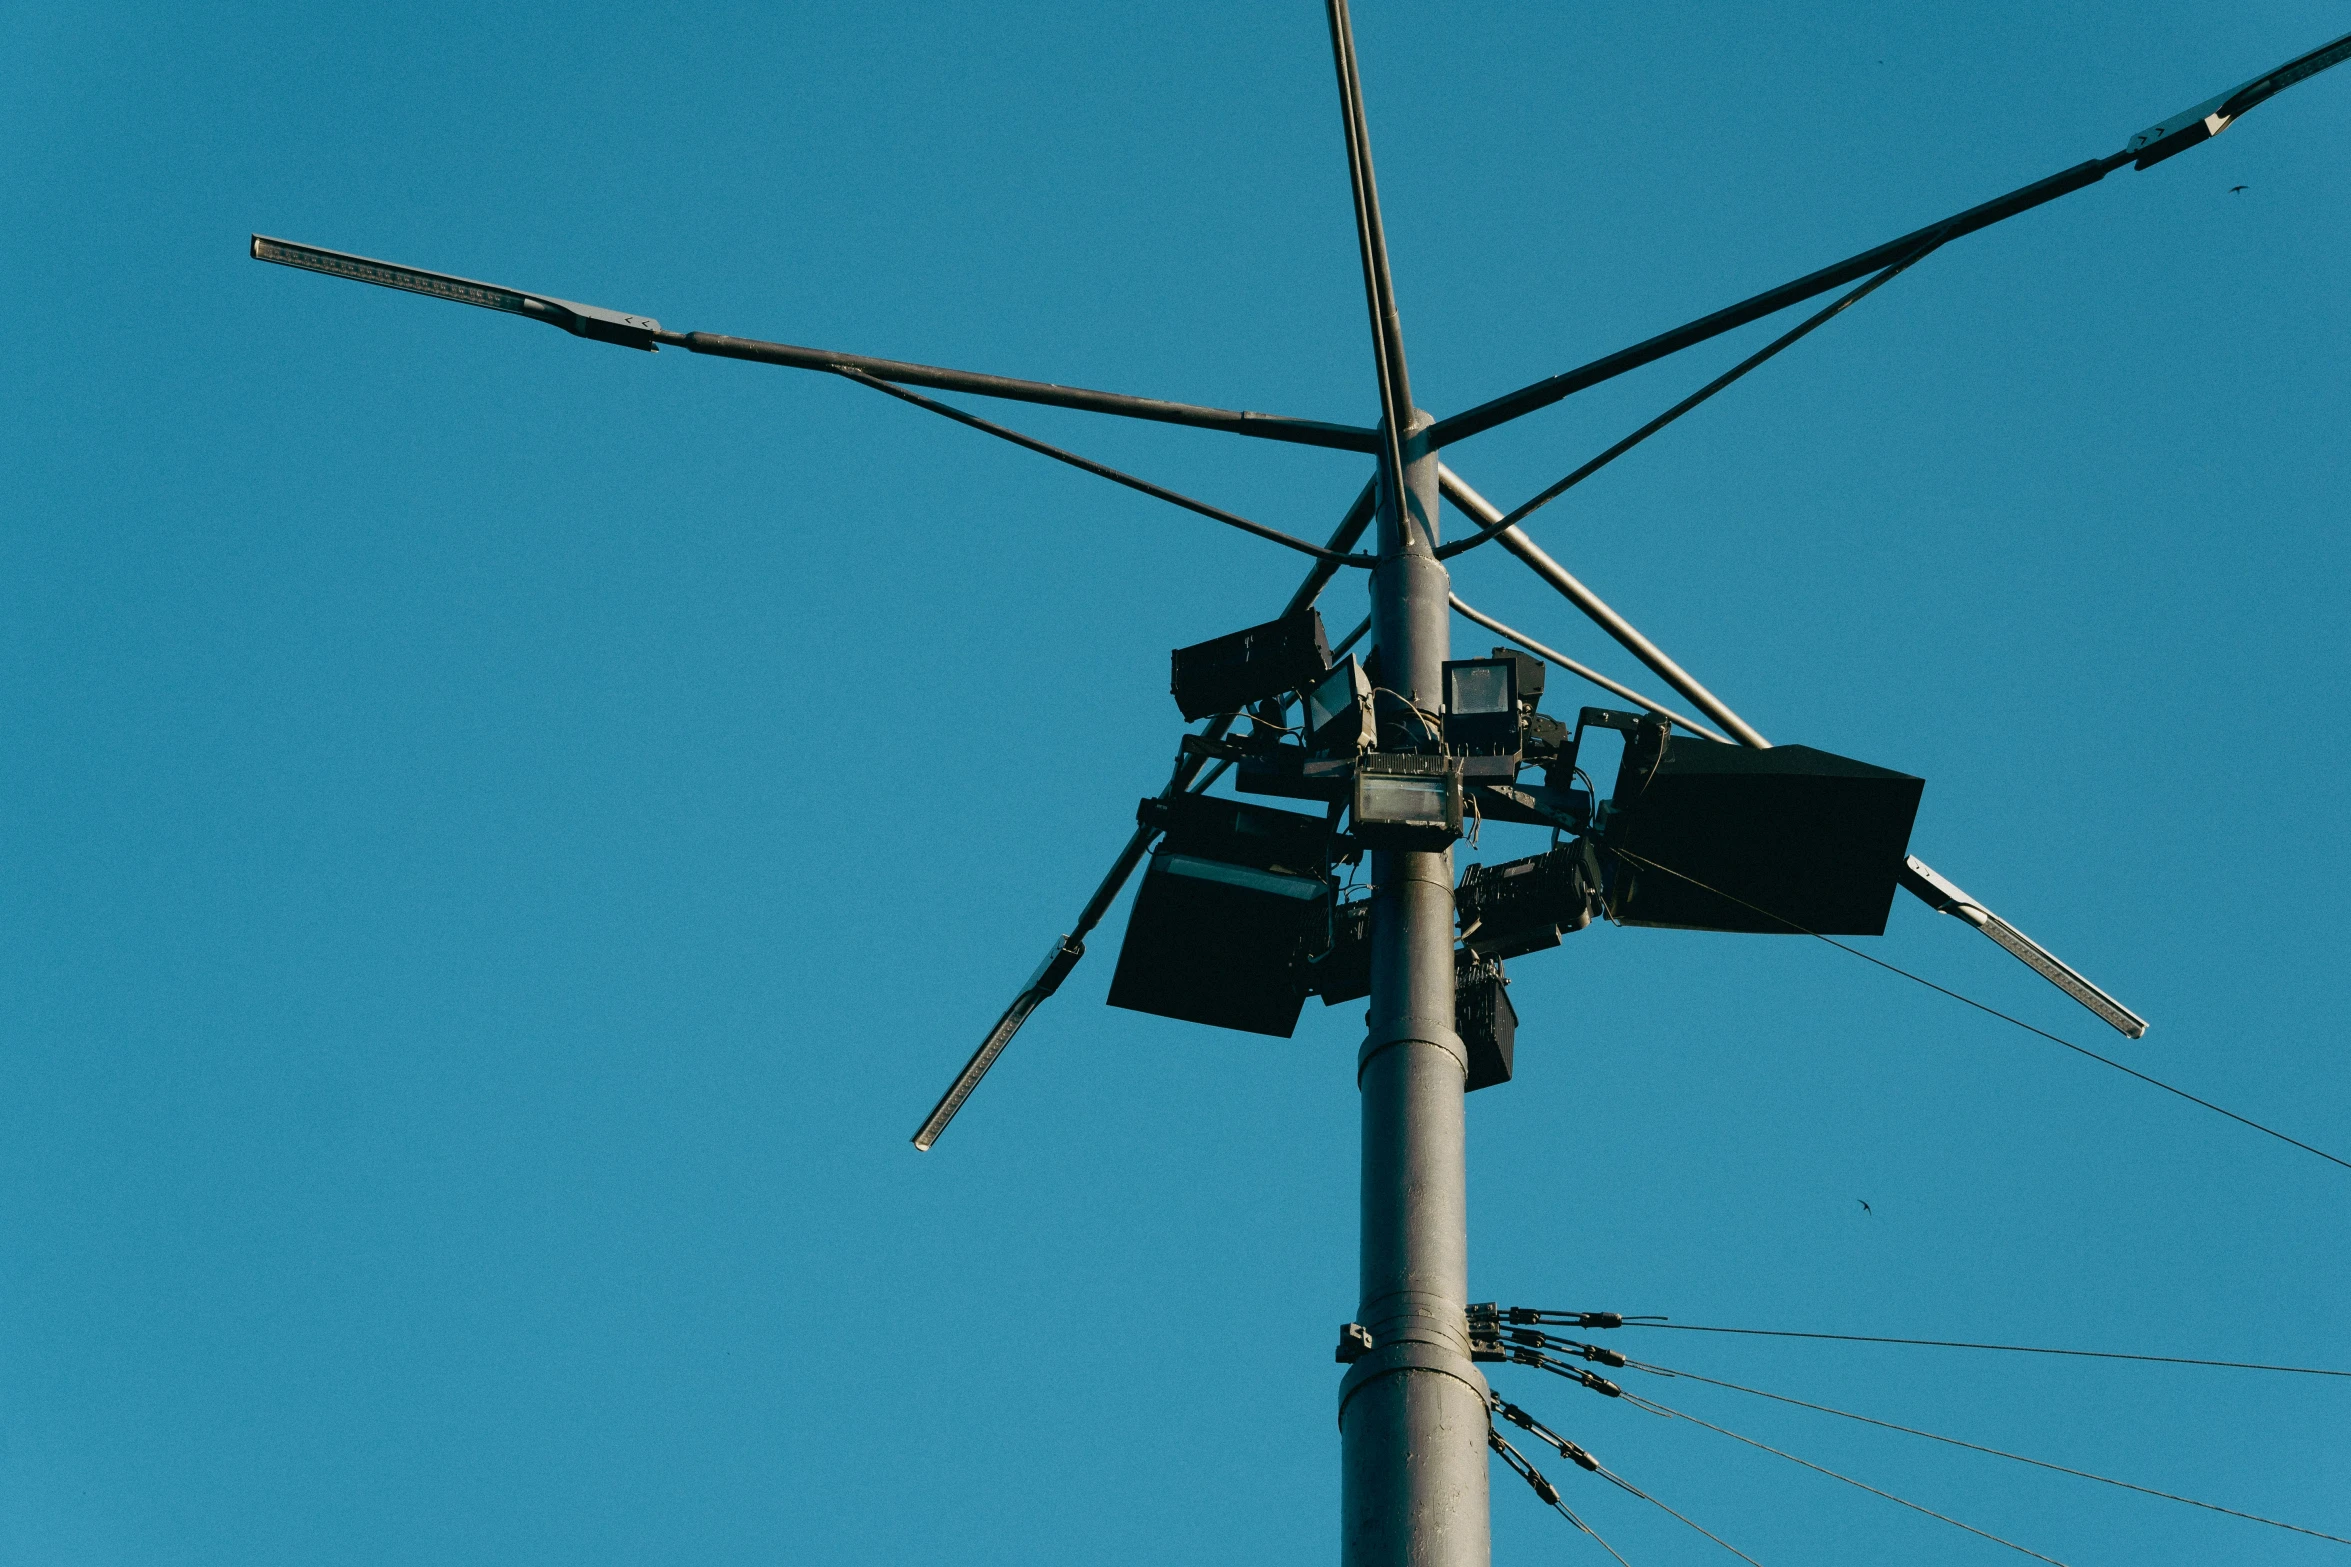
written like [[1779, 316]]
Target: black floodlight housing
[[1406, 801], [592, 321], [1771, 842], [1338, 718], [1344, 972], [1530, 676], [1482, 717], [1233, 905], [1487, 1024], [1227, 673], [1287, 771], [1523, 906]]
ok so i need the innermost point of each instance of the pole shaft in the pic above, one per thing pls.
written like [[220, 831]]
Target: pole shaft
[[1412, 1415]]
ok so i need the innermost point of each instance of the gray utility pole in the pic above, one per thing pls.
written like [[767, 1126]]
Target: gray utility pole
[[1412, 1411]]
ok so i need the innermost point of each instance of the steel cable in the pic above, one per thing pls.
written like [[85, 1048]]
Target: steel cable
[[2014, 1349], [1977, 1447], [1919, 979], [1656, 1408], [1103, 470]]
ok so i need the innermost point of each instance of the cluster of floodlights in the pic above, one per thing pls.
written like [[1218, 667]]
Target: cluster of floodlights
[[1240, 915]]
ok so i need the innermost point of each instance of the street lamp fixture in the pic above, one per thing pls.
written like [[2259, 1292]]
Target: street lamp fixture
[[591, 321]]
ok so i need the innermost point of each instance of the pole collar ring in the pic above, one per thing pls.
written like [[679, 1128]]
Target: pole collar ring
[[1412, 1030], [1409, 1356]]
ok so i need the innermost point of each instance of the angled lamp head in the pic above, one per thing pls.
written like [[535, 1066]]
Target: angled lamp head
[[1482, 717], [590, 321], [1338, 711], [2169, 138]]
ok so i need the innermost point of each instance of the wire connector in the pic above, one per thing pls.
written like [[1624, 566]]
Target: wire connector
[[1568, 1450], [1485, 1333], [1540, 1340], [1527, 1355], [1568, 1319]]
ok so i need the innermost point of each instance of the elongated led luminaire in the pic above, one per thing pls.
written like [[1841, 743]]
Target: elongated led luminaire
[[1046, 980], [592, 321], [2214, 115], [1945, 898]]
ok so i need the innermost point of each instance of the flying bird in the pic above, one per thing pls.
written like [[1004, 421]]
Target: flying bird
[[1865, 1207], [2233, 189]]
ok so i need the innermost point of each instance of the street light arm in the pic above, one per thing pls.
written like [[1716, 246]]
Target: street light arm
[[631, 331], [1270, 427], [2151, 146], [1542, 394]]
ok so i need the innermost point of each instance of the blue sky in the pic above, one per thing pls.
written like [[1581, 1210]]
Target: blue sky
[[505, 837]]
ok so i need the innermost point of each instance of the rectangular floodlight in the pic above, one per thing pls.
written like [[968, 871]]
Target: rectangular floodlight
[[590, 321], [1482, 719], [1407, 801], [1522, 906], [1344, 972], [1338, 711], [1233, 905], [1778, 842], [1487, 1024], [1227, 673], [1221, 944], [1530, 676]]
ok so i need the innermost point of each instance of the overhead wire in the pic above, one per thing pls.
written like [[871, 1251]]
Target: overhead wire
[[1656, 1408], [1664, 1371], [1103, 470], [2014, 1349], [1614, 1478], [1919, 979], [1543, 1488]]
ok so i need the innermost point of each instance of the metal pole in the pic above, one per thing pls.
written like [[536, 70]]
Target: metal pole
[[1412, 1411]]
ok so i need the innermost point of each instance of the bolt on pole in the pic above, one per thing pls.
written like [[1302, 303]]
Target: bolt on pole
[[1412, 1411]]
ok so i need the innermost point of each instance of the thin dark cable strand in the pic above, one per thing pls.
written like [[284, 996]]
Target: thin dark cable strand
[[2154, 1082], [1849, 1480], [2014, 1349], [1103, 470], [1613, 1477], [1542, 1488], [1785, 340], [1978, 1447], [1569, 1514]]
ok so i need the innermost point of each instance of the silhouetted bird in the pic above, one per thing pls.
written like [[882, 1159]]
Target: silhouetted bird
[[2233, 189], [1865, 1207]]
